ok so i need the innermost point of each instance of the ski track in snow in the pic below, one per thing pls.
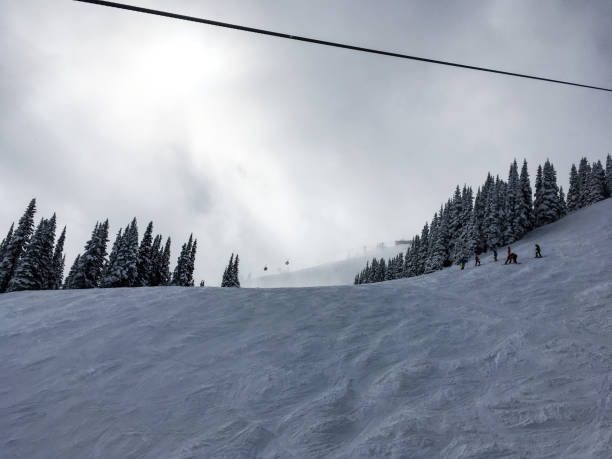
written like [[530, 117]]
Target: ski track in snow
[[494, 361]]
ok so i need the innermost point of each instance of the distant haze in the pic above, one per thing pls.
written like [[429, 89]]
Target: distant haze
[[281, 150]]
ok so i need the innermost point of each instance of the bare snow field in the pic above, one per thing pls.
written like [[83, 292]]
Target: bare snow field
[[494, 361]]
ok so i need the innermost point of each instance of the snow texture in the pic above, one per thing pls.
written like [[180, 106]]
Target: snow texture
[[496, 361]]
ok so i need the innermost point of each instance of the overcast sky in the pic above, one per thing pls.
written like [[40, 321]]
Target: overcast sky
[[282, 150]]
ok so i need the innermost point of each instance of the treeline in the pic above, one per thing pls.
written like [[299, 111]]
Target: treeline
[[500, 213], [31, 259]]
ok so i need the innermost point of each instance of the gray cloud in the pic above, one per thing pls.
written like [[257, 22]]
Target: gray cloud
[[278, 149]]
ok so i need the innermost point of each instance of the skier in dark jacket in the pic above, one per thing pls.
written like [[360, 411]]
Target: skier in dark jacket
[[509, 259], [538, 251], [513, 257], [463, 262], [494, 255]]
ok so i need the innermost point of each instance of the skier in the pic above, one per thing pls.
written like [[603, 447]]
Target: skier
[[509, 259], [538, 251], [477, 263], [494, 255], [463, 261], [513, 257]]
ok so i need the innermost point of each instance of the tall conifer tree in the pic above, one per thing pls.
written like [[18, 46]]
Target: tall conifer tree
[[17, 245]]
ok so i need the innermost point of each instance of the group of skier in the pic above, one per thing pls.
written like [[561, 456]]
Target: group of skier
[[512, 257]]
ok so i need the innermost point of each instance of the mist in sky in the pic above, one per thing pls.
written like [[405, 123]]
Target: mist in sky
[[282, 150]]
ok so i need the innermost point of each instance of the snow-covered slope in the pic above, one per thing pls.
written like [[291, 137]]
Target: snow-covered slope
[[495, 361], [340, 272]]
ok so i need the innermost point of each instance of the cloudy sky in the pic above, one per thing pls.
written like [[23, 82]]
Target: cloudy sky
[[283, 150]]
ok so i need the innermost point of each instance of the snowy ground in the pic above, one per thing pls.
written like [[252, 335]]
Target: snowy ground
[[495, 361]]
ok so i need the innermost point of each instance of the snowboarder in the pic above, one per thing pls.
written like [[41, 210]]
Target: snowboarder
[[494, 255], [477, 263], [509, 259], [538, 251]]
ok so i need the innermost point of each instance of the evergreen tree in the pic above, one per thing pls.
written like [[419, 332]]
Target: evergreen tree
[[596, 184], [68, 283], [539, 192], [235, 270], [156, 259], [112, 272], [181, 275], [562, 203], [573, 195], [5, 242], [127, 258], [526, 216], [226, 281], [33, 267], [584, 172], [514, 206], [492, 229], [91, 263], [547, 208], [145, 258], [609, 175], [439, 251], [58, 262], [17, 245], [164, 271]]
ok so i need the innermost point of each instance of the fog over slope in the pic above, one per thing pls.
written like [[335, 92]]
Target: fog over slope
[[494, 361]]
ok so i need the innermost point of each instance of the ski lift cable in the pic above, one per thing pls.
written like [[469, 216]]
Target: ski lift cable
[[271, 33]]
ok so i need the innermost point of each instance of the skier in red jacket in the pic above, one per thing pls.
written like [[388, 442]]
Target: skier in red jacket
[[477, 261], [509, 259]]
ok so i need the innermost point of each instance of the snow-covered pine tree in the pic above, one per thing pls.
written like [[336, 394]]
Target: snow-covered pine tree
[[191, 263], [514, 206], [526, 217], [58, 262], [479, 213], [381, 268], [112, 275], [5, 242], [573, 195], [547, 210], [128, 256], [91, 263], [505, 225], [584, 171], [538, 202], [455, 223], [227, 273], [609, 174], [73, 270], [423, 249], [46, 259], [156, 258], [235, 272], [29, 273], [596, 183], [562, 203], [439, 252], [144, 262], [17, 245], [491, 225], [164, 273], [181, 271]]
